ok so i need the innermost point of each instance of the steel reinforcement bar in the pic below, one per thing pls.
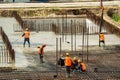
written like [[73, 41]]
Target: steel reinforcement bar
[[8, 46]]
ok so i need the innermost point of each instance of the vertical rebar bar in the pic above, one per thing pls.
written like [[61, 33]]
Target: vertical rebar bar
[[82, 43], [63, 28], [60, 46], [66, 28], [60, 50], [56, 55], [87, 44], [75, 33], [71, 36]]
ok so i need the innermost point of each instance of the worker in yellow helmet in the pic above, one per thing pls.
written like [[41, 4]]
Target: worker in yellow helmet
[[74, 64], [26, 35], [81, 66]]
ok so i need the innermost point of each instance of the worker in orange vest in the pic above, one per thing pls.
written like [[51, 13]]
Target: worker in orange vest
[[26, 35], [81, 66], [68, 63], [102, 39], [41, 52]]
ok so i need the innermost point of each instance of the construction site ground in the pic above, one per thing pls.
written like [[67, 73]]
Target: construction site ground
[[102, 63]]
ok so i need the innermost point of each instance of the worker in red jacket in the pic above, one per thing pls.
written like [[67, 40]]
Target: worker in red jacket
[[41, 52]]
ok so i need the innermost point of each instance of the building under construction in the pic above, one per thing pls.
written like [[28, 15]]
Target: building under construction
[[75, 31]]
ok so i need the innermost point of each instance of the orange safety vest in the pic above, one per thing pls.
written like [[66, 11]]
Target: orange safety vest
[[68, 61], [102, 37], [26, 34], [83, 66], [40, 51]]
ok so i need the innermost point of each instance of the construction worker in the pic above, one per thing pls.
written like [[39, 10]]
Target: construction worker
[[41, 52], [26, 35], [74, 64], [61, 60], [102, 39], [81, 66], [68, 63]]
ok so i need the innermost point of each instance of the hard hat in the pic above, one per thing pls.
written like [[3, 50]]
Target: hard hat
[[101, 32], [67, 54], [79, 60], [38, 47], [61, 55], [26, 29], [74, 58]]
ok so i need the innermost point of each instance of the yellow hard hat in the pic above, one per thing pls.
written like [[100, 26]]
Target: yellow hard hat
[[79, 60], [26, 29], [67, 54], [74, 58]]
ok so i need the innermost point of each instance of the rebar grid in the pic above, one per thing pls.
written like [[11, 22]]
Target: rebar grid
[[28, 75]]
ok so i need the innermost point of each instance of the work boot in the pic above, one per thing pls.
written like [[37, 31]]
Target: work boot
[[29, 45], [67, 75]]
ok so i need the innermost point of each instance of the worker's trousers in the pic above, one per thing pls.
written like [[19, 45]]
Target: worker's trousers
[[41, 58], [68, 71], [26, 40]]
